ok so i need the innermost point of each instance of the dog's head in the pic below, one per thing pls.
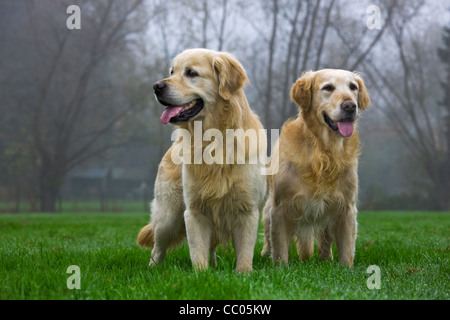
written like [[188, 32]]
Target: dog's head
[[332, 98], [199, 80]]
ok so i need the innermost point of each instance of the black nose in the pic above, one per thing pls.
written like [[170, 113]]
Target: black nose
[[159, 86], [348, 106]]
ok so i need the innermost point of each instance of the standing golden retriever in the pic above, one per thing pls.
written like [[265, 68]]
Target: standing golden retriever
[[314, 193], [207, 202]]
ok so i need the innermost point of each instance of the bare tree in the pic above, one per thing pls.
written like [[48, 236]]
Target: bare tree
[[308, 24], [444, 150], [297, 42], [272, 47], [410, 105], [214, 15], [68, 121], [221, 34], [289, 53]]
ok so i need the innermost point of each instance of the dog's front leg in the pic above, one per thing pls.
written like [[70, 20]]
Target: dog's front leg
[[325, 242], [281, 232], [198, 231], [266, 222], [244, 238], [345, 234]]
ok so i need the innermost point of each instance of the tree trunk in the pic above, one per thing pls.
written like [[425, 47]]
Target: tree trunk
[[48, 200], [447, 135], [286, 83], [222, 25], [205, 25], [443, 196], [16, 196], [268, 98], [444, 188], [50, 185]]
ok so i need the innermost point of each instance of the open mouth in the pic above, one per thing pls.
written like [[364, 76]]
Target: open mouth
[[345, 127], [174, 114]]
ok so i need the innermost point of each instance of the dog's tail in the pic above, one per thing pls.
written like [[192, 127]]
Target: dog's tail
[[146, 237]]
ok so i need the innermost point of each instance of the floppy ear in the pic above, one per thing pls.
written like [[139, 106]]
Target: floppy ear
[[231, 75], [363, 96], [301, 91]]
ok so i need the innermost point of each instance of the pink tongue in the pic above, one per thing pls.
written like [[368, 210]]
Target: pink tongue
[[169, 113], [346, 128]]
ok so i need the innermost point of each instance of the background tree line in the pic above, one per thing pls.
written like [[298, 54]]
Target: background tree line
[[74, 99]]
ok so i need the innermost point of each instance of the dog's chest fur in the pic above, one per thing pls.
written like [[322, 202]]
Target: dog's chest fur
[[317, 187], [222, 189], [223, 197]]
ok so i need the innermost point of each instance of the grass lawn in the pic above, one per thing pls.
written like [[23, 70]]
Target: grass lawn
[[412, 250]]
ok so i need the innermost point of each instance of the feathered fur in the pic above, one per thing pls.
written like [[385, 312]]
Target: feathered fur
[[208, 202], [314, 193]]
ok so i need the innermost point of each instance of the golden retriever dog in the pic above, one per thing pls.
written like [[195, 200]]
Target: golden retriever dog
[[208, 203], [313, 195]]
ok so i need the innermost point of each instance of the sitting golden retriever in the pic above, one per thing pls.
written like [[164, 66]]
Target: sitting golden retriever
[[207, 202], [314, 193]]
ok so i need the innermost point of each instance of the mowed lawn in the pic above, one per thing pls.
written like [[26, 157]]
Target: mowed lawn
[[412, 250]]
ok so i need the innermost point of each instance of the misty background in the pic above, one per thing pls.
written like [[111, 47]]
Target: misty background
[[79, 122]]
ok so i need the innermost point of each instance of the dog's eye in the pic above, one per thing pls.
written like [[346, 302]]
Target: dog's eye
[[328, 88], [353, 87], [191, 73], [171, 71]]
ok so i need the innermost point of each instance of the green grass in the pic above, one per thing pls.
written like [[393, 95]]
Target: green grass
[[411, 248]]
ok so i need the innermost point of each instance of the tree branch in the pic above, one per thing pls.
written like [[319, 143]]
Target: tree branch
[[323, 35], [377, 38], [95, 136]]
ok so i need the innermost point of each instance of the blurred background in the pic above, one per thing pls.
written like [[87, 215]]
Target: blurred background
[[80, 128]]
